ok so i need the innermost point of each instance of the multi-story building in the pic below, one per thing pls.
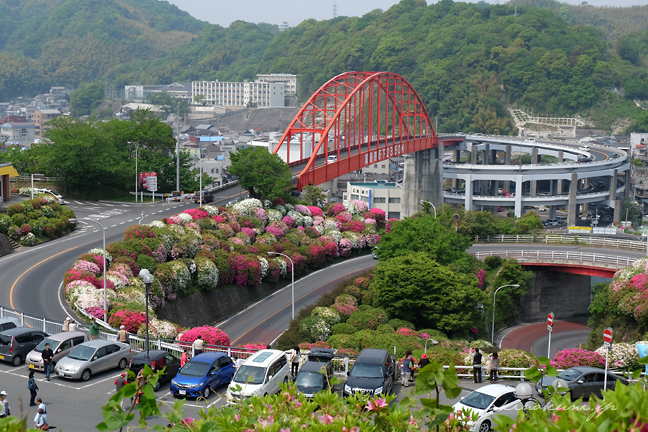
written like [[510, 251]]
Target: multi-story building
[[140, 93], [379, 194], [41, 118], [289, 81], [17, 133], [13, 119], [239, 94], [284, 26]]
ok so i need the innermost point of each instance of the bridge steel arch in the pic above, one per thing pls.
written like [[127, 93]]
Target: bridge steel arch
[[361, 118]]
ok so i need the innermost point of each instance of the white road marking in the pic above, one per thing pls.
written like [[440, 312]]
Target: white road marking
[[122, 223], [113, 226]]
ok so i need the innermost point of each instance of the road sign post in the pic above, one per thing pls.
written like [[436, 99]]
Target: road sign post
[[550, 319], [607, 340]]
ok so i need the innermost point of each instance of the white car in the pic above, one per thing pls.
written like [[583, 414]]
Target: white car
[[331, 159], [51, 192], [488, 402]]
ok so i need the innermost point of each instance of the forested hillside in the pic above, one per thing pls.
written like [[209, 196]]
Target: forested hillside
[[614, 21], [67, 42], [467, 61]]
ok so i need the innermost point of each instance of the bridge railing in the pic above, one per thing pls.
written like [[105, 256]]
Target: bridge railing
[[609, 243], [595, 259]]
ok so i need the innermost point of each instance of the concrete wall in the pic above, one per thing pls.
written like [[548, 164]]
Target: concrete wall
[[423, 180], [564, 294], [5, 246]]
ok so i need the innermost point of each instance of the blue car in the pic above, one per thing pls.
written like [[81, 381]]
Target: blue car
[[202, 374]]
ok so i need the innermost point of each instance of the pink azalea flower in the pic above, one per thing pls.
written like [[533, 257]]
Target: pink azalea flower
[[377, 403], [326, 419], [412, 421]]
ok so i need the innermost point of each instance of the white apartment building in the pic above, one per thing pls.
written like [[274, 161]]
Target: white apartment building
[[17, 133], [379, 194], [289, 81], [239, 94]]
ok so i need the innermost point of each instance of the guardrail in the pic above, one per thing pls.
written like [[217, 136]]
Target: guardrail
[[28, 178], [599, 260], [575, 239]]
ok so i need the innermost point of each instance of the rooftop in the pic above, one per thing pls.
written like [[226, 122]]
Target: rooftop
[[378, 184]]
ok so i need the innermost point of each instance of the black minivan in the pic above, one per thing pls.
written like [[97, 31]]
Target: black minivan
[[316, 373], [372, 373], [17, 342]]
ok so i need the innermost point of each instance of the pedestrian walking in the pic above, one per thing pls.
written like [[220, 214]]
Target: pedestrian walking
[[184, 358], [238, 362], [120, 382], [66, 324], [94, 329], [424, 361], [5, 410], [406, 367], [32, 387], [73, 325], [477, 363], [41, 420], [198, 346], [494, 365], [295, 354], [122, 335], [41, 405], [47, 356]]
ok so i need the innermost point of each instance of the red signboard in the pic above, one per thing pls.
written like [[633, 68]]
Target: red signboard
[[607, 335], [550, 319], [147, 182]]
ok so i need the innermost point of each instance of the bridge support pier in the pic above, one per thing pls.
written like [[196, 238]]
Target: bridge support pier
[[423, 180], [559, 184], [572, 208], [565, 294]]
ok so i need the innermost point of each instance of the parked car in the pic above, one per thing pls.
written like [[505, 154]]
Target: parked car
[[374, 252], [157, 360], [60, 343], [92, 357], [202, 374], [490, 401], [372, 373], [551, 222], [51, 192], [315, 375], [583, 381], [9, 323], [259, 375], [16, 343]]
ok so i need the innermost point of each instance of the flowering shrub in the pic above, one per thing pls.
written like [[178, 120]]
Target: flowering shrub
[[481, 277], [138, 232], [252, 346], [96, 312], [131, 320], [577, 357], [622, 355], [86, 266], [197, 213], [28, 240], [159, 328], [211, 336], [345, 305]]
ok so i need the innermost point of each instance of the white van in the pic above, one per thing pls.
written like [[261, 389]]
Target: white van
[[259, 375], [584, 148], [331, 159]]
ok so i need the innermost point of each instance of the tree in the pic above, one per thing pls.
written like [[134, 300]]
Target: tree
[[262, 174], [86, 98], [313, 195], [529, 222], [416, 288], [508, 299], [423, 234], [168, 103]]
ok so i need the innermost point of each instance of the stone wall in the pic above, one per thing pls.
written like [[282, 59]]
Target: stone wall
[[5, 246], [566, 295]]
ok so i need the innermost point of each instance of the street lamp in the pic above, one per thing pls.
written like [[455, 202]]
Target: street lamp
[[493, 327], [433, 206], [200, 174], [103, 235], [293, 279], [434, 342], [136, 174], [148, 279]]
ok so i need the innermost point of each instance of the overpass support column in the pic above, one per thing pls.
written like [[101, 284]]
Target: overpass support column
[[572, 208], [456, 158], [533, 186], [559, 185], [423, 180], [483, 184], [468, 203], [585, 205], [626, 180], [613, 185], [518, 196], [507, 161], [473, 155]]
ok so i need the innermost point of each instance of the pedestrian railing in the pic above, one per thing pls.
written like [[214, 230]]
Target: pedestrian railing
[[581, 258], [610, 243]]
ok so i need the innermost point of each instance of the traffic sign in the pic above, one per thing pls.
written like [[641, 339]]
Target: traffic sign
[[607, 336], [550, 318]]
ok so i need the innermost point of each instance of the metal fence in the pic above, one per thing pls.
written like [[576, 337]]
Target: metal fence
[[609, 261], [610, 243]]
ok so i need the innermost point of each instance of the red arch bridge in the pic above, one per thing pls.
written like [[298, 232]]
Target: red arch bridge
[[354, 120]]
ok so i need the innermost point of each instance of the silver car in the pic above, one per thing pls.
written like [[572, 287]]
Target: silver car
[[92, 357], [60, 343]]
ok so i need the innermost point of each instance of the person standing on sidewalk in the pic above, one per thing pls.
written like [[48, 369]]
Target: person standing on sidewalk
[[94, 329], [32, 387], [198, 346], [73, 325], [5, 410], [494, 365], [184, 358], [122, 335], [477, 372], [66, 324], [47, 355], [120, 382], [407, 367]]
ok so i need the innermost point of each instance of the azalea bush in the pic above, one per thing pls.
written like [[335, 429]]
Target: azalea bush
[[577, 357], [39, 217], [622, 356], [628, 292], [131, 320], [211, 336]]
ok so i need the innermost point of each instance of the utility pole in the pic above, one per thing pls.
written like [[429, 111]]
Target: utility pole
[[177, 149]]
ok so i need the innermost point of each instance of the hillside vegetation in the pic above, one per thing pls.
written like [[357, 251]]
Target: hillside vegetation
[[468, 62]]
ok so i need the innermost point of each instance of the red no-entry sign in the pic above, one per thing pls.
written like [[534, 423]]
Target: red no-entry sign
[[607, 336]]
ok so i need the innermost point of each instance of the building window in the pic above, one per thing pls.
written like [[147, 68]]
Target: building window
[[376, 166], [395, 215], [394, 200], [354, 197], [212, 170], [383, 167], [379, 200]]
